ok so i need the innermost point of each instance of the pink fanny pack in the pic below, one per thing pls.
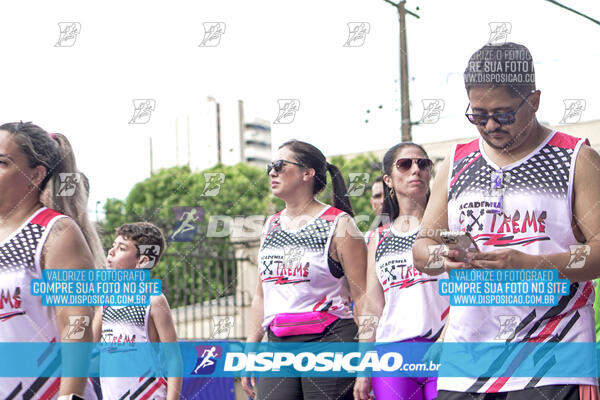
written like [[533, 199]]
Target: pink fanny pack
[[301, 323]]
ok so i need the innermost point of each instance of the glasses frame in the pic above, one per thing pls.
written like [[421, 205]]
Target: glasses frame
[[282, 162], [511, 115], [413, 161]]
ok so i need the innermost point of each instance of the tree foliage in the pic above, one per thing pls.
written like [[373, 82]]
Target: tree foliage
[[204, 269]]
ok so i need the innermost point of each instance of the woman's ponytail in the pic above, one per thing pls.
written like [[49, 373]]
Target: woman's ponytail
[[68, 194], [340, 192]]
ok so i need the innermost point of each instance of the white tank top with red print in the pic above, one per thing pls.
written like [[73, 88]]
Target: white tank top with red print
[[413, 308], [535, 218], [23, 318], [296, 271], [122, 327]]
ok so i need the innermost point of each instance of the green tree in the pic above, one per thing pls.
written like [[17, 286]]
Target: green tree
[[206, 262]]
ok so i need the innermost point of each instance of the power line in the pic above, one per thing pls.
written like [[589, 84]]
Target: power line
[[574, 11]]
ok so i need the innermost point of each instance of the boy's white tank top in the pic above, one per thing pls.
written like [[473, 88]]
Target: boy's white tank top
[[122, 326]]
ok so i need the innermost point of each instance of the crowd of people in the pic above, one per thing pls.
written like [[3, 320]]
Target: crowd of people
[[539, 198]]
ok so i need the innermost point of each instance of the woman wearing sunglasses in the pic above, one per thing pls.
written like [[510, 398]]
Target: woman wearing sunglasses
[[406, 300], [311, 265]]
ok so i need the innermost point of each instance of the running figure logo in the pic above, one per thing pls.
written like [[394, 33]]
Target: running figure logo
[[68, 183], [68, 34], [499, 32], [367, 324], [212, 34], [222, 326], [579, 254], [508, 325], [151, 251], [77, 326], [357, 33], [573, 110], [142, 110], [212, 183], [432, 109], [292, 255], [287, 111], [436, 253], [186, 223], [207, 359], [358, 183]]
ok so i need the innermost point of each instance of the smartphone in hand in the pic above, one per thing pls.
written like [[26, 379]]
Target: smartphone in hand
[[461, 241]]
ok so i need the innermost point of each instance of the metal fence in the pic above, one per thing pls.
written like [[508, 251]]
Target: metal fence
[[205, 292]]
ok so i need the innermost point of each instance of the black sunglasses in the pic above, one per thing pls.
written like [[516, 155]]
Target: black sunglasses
[[502, 118], [278, 165], [404, 164]]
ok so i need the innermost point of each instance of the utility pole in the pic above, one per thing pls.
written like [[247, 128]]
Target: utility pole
[[210, 98], [151, 159], [219, 133], [404, 99], [188, 142], [177, 141], [242, 131]]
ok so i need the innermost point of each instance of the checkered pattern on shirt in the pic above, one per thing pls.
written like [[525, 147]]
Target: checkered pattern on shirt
[[544, 174], [312, 236], [19, 252], [130, 315], [393, 244]]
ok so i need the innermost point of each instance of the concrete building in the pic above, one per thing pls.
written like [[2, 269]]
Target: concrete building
[[256, 143]]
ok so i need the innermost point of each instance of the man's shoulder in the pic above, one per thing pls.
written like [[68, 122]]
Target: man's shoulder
[[565, 141], [464, 149]]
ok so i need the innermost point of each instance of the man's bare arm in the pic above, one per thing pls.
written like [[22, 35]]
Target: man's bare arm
[[434, 221], [586, 213]]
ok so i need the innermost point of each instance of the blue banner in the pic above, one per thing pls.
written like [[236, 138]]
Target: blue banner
[[507, 287], [97, 287], [230, 359]]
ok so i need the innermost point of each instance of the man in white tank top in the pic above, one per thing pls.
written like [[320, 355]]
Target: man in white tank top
[[527, 195]]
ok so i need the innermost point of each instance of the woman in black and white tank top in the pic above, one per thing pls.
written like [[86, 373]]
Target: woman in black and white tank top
[[32, 238], [311, 265]]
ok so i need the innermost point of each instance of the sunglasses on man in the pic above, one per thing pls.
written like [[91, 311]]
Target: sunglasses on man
[[277, 166], [502, 118]]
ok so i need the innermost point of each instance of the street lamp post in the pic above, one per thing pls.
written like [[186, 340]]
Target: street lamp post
[[210, 98]]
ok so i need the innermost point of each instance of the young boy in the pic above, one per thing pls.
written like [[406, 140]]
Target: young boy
[[137, 245]]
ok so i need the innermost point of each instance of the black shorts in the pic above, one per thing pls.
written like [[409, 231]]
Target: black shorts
[[342, 330], [550, 392]]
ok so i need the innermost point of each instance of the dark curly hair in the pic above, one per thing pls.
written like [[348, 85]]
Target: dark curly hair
[[143, 233]]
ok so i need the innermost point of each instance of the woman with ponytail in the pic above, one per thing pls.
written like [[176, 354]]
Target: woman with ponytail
[[75, 205], [311, 265], [406, 300], [34, 237]]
